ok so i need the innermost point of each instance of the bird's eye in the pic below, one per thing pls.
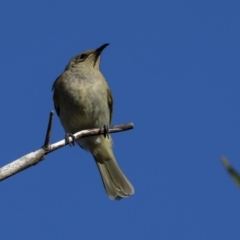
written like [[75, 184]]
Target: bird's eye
[[82, 57]]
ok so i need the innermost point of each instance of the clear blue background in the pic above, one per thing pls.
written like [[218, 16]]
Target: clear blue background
[[173, 68]]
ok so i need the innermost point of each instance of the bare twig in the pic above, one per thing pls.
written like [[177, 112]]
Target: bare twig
[[35, 157], [233, 173], [48, 133]]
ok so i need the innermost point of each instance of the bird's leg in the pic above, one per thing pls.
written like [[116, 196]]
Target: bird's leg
[[67, 139], [105, 129]]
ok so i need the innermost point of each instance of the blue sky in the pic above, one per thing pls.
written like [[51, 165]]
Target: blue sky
[[173, 68]]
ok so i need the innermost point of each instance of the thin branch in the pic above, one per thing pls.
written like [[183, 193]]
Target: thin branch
[[88, 133], [232, 171], [49, 129], [35, 157]]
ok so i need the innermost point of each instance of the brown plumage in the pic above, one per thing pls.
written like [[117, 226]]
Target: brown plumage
[[83, 100]]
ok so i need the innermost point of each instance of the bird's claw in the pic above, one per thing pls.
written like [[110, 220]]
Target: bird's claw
[[67, 139], [105, 129]]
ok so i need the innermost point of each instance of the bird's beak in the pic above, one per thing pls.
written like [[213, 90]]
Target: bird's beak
[[98, 51]]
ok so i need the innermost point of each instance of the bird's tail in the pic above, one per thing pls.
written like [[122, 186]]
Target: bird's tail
[[115, 182]]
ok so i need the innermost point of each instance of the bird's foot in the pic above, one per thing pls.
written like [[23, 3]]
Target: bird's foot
[[105, 129], [67, 139]]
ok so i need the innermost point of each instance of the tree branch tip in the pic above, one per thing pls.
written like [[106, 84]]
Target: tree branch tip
[[49, 129]]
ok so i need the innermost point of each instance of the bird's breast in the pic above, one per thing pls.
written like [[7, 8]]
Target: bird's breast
[[83, 104]]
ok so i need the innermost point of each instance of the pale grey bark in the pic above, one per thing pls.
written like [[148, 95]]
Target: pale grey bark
[[35, 157]]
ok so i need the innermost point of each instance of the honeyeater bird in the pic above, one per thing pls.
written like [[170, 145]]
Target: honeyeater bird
[[83, 100]]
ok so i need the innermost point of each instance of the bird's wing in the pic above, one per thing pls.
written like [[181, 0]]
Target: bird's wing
[[55, 96], [110, 104]]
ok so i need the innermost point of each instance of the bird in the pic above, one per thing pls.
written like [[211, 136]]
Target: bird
[[83, 100]]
